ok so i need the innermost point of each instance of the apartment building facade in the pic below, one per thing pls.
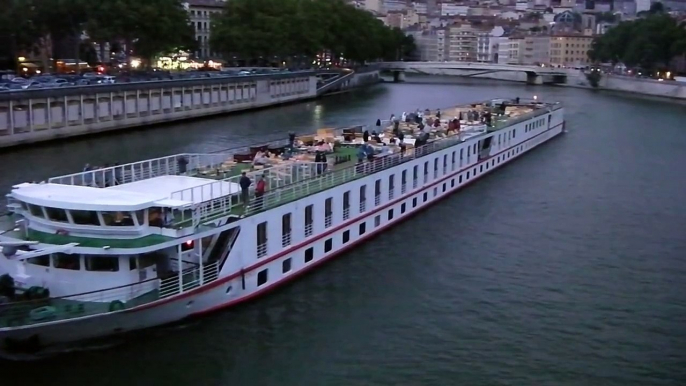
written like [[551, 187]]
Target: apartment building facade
[[201, 12], [570, 50]]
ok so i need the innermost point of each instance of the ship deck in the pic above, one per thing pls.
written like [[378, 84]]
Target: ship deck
[[288, 180]]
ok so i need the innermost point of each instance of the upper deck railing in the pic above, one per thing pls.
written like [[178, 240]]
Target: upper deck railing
[[325, 181]]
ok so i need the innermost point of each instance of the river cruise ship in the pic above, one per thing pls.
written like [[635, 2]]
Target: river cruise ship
[[115, 249]]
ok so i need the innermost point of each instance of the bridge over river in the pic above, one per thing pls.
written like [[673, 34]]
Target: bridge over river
[[534, 74]]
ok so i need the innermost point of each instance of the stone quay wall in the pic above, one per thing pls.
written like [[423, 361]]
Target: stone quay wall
[[45, 114]]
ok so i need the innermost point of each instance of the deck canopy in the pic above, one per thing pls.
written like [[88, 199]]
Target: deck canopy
[[75, 197], [162, 191]]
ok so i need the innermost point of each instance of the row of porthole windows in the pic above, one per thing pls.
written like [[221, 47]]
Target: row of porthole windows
[[328, 209], [96, 263], [262, 277], [287, 264], [534, 125], [157, 217], [286, 223]]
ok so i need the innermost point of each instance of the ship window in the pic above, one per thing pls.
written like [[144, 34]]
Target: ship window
[[426, 196], [377, 188], [444, 186], [140, 216], [415, 172], [452, 183], [445, 161], [328, 244], [436, 164], [346, 204], [403, 177], [363, 193], [390, 214], [461, 153], [286, 265], [453, 157], [426, 167], [117, 218], [309, 254], [435, 192], [328, 212], [65, 261], [391, 182], [85, 217], [262, 277], [102, 263], [402, 208], [132, 263], [481, 168], [261, 239], [40, 260], [286, 230], [346, 236], [459, 180], [467, 175], [55, 214], [414, 202], [36, 210], [377, 221], [308, 220]]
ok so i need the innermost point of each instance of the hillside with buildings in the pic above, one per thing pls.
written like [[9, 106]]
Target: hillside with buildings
[[544, 32]]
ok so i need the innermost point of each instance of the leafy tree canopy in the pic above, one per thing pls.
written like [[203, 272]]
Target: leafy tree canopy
[[650, 43], [252, 29], [151, 27]]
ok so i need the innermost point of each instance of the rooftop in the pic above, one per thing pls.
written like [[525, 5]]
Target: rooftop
[[135, 195]]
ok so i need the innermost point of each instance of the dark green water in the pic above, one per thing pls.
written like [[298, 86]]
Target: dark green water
[[567, 267]]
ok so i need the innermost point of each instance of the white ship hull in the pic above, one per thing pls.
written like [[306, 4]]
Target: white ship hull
[[243, 276]]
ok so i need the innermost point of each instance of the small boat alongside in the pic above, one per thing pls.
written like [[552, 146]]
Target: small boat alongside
[[117, 249]]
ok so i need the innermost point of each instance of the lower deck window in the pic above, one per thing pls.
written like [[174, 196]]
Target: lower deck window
[[102, 263], [262, 277], [65, 261]]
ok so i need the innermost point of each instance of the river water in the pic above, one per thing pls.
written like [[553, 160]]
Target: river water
[[567, 267]]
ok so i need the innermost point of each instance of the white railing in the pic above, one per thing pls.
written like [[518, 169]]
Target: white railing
[[390, 193], [286, 239], [142, 170], [219, 198], [415, 183], [319, 182], [346, 213], [308, 230], [403, 188], [190, 279], [262, 249], [328, 220], [363, 206], [377, 200]]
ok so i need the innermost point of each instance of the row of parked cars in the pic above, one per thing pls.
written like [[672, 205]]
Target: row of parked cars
[[54, 81], [46, 81]]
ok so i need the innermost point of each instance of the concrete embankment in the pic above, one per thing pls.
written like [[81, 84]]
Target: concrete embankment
[[33, 116]]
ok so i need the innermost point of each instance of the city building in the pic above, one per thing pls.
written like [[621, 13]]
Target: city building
[[201, 12], [642, 5], [570, 50]]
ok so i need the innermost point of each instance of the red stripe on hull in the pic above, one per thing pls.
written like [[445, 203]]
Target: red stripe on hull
[[259, 264]]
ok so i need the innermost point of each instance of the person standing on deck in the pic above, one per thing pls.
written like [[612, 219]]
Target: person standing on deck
[[245, 183], [365, 136], [259, 192], [291, 140], [182, 165]]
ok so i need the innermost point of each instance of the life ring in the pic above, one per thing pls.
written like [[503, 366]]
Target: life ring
[[61, 232], [117, 305]]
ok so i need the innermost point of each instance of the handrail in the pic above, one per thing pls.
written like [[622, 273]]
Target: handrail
[[17, 314], [279, 197]]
